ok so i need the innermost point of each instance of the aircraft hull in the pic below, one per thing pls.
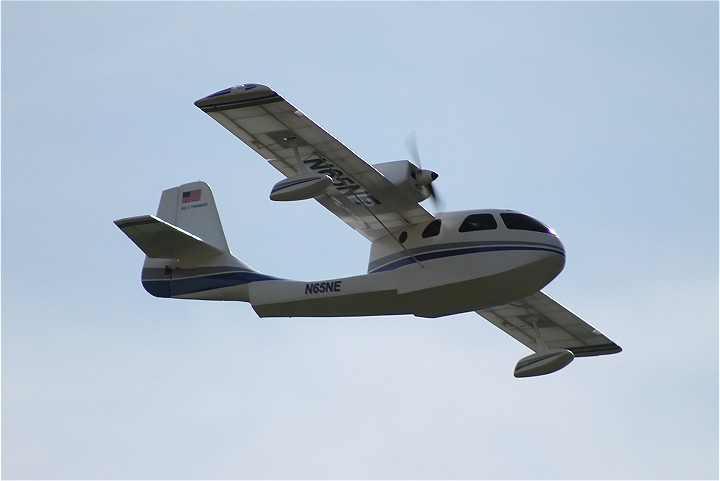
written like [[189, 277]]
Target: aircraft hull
[[388, 293]]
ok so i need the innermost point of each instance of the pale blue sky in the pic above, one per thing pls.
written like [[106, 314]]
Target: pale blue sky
[[600, 119]]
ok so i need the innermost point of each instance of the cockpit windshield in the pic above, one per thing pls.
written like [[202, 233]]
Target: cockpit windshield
[[517, 221]]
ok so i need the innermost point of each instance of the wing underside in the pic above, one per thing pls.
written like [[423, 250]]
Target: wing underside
[[292, 143], [540, 317]]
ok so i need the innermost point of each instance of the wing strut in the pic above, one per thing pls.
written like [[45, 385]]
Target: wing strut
[[540, 341], [293, 141]]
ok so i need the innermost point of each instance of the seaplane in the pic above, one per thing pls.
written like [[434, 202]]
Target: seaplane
[[493, 262]]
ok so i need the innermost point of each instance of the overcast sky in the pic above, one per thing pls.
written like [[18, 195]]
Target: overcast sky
[[601, 119]]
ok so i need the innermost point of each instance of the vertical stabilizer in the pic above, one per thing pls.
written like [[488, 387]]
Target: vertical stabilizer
[[191, 207]]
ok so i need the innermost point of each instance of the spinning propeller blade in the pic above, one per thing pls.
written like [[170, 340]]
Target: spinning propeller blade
[[412, 146]]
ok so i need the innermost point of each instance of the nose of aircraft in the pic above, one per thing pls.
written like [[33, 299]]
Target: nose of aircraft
[[559, 245], [556, 257], [548, 265], [553, 258], [553, 238]]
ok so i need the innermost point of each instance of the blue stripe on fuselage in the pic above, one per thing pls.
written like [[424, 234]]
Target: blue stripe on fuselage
[[191, 285], [459, 252]]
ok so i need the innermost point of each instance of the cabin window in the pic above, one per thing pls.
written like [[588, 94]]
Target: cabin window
[[432, 229], [403, 237], [478, 222], [517, 221]]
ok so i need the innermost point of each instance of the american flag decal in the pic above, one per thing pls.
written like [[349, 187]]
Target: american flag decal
[[191, 196]]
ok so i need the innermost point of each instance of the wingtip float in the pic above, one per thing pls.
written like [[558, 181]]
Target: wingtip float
[[490, 261]]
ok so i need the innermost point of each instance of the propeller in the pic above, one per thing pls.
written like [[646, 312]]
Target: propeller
[[423, 177]]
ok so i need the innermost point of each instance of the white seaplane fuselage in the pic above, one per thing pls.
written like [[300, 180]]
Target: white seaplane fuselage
[[428, 270]]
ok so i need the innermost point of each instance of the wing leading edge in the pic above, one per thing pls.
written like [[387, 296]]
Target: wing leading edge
[[559, 328], [292, 143]]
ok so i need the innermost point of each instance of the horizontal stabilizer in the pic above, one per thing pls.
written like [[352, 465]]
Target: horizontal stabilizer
[[160, 239]]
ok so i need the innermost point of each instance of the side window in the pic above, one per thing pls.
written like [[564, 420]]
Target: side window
[[478, 222], [432, 229]]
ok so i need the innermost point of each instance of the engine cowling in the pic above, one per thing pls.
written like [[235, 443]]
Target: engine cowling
[[410, 179]]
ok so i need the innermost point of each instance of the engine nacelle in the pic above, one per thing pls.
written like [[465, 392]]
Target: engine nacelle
[[411, 180]]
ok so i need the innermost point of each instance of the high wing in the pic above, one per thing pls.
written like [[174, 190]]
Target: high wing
[[558, 327], [360, 195]]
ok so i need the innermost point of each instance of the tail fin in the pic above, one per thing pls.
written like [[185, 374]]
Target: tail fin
[[191, 207], [187, 254]]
